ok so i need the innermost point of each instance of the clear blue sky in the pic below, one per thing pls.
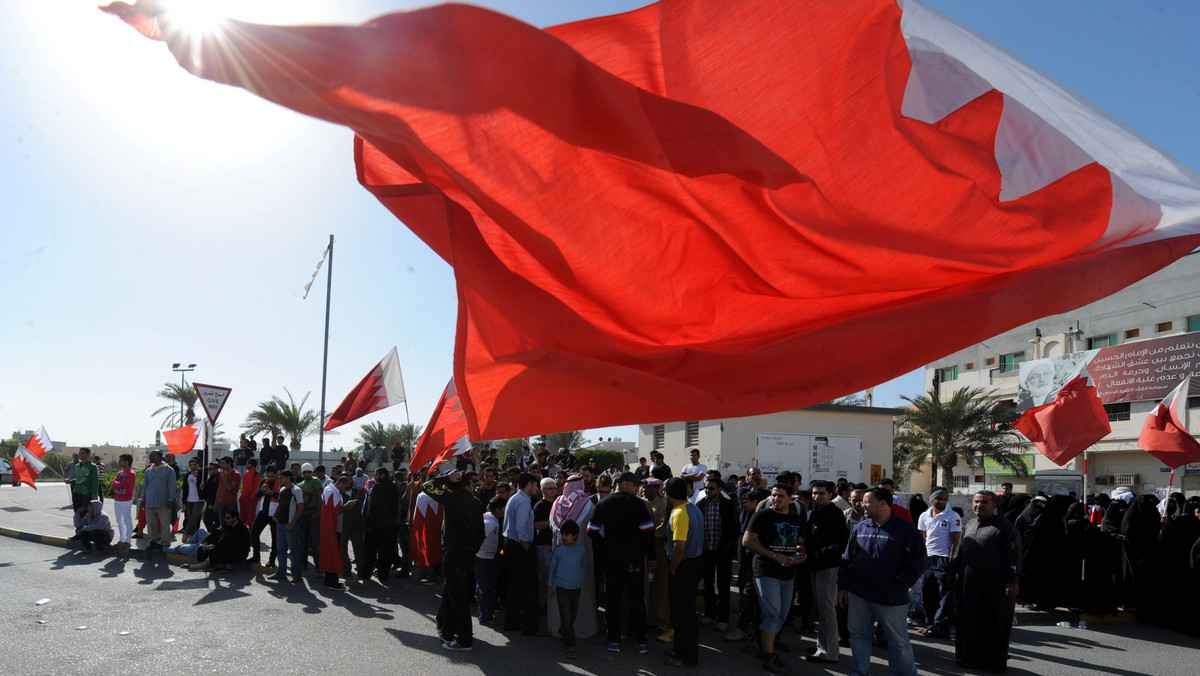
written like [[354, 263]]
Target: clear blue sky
[[148, 217]]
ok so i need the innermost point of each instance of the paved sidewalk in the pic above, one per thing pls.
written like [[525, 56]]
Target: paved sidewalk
[[44, 515]]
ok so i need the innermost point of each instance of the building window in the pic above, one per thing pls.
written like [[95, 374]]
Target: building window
[[991, 361], [1119, 411], [947, 374], [1097, 342], [1010, 362], [692, 438], [660, 435], [970, 366], [1133, 333], [1194, 323], [962, 482], [1164, 326]]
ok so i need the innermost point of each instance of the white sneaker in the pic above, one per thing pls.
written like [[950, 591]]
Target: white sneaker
[[722, 626], [736, 634]]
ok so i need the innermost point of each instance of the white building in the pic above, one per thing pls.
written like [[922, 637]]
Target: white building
[[826, 441], [1154, 313]]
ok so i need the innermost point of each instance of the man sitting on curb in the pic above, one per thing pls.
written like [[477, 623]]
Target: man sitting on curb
[[228, 545], [93, 528]]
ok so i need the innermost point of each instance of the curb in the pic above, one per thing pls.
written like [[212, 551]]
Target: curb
[[53, 541]]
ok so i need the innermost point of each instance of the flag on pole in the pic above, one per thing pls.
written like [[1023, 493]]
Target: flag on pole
[[26, 466], [315, 271], [445, 436], [1066, 426], [183, 439], [39, 444], [658, 215], [382, 387], [1166, 435]]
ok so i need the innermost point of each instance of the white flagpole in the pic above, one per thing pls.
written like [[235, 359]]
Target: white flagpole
[[325, 358]]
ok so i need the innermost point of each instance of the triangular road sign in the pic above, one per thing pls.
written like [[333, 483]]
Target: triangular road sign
[[213, 399]]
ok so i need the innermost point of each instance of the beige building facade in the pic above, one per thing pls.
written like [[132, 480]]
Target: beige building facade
[[824, 441], [1157, 313]]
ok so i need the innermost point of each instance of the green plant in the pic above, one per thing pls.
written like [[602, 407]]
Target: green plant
[[604, 458]]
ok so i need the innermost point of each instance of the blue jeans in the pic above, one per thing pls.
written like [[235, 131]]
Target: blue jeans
[[288, 545], [893, 620], [774, 598], [486, 587]]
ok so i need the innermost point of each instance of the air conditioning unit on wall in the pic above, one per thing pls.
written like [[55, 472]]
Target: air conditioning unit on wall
[[1104, 480]]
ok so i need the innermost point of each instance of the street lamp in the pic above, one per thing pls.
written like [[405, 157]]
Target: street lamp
[[182, 384]]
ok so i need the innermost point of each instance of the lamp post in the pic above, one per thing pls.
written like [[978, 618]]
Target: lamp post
[[177, 367]]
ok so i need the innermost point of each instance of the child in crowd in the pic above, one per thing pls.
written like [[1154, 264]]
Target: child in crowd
[[567, 569]]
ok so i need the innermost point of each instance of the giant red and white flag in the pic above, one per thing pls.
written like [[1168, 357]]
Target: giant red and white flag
[[704, 208], [1166, 435], [427, 531], [446, 434], [382, 387], [183, 439], [1068, 425]]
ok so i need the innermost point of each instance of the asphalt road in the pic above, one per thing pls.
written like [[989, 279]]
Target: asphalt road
[[182, 622]]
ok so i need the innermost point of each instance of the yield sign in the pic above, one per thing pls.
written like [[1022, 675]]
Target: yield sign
[[213, 397]]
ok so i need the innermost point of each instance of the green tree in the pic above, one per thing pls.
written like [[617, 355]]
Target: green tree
[[284, 417], [572, 441], [8, 447], [177, 394], [967, 427], [387, 435]]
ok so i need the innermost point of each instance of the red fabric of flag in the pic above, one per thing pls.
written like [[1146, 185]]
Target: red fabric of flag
[[446, 434], [379, 389], [183, 439], [1065, 427], [26, 467], [1165, 434], [706, 208]]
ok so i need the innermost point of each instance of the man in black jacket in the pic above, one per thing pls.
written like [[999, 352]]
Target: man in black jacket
[[720, 536], [826, 534], [623, 529], [228, 545], [462, 533]]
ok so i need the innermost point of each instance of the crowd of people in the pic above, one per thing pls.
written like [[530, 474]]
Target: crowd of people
[[549, 545]]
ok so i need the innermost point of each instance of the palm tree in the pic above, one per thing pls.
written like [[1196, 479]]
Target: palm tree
[[177, 394], [283, 417], [572, 441], [387, 435], [967, 426]]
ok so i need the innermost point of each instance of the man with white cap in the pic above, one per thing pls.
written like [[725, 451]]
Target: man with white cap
[[310, 520], [942, 528]]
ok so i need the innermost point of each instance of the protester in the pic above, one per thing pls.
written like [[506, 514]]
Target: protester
[[461, 538], [487, 585], [885, 556], [825, 538], [985, 567], [230, 544], [227, 488], [720, 537], [123, 485], [268, 500], [520, 559], [287, 516], [380, 514], [330, 561], [657, 607], [776, 537], [685, 550], [573, 505], [93, 528], [568, 571], [158, 495], [942, 529], [543, 537], [623, 529], [247, 499]]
